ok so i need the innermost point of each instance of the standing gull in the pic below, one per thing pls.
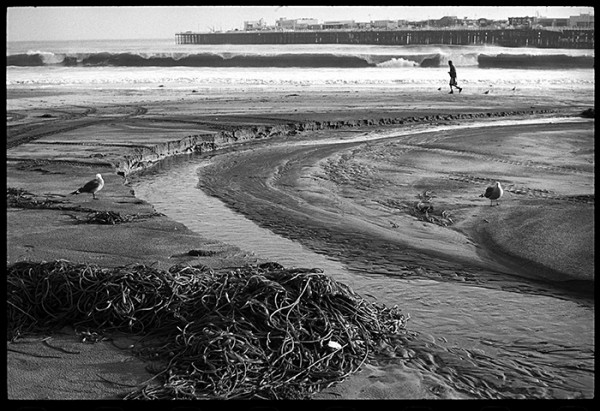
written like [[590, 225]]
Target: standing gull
[[493, 193], [92, 186]]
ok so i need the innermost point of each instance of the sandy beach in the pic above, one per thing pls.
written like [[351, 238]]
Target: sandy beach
[[540, 238]]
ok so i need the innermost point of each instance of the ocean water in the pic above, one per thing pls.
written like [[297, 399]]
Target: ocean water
[[144, 63]]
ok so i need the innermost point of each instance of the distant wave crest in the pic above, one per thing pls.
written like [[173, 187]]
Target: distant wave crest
[[554, 61], [188, 60], [308, 60]]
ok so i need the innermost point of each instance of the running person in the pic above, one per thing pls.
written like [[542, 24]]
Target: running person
[[452, 73]]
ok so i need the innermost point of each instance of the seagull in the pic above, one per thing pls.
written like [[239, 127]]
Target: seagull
[[92, 186], [493, 193]]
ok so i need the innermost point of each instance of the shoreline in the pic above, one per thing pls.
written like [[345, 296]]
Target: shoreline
[[42, 167]]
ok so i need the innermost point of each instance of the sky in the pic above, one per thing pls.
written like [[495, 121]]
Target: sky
[[150, 22]]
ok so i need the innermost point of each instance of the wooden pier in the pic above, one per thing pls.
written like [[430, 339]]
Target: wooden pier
[[567, 38]]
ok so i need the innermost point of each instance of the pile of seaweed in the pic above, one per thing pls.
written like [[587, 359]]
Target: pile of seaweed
[[114, 217], [264, 332], [20, 198], [423, 210]]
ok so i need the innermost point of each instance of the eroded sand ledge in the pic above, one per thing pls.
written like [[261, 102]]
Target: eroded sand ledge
[[62, 151], [210, 142]]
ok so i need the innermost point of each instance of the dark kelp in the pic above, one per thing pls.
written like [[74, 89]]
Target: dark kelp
[[20, 198], [255, 332]]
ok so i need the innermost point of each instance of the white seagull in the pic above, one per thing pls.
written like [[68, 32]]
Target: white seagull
[[92, 186], [493, 193]]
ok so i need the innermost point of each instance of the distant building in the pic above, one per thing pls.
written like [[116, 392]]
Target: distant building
[[338, 25], [285, 24], [582, 21], [305, 23], [550, 22], [254, 25], [425, 23], [482, 22], [385, 24], [296, 24], [469, 22], [448, 21], [521, 21]]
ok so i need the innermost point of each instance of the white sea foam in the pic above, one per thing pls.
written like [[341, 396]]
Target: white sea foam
[[386, 75], [398, 62]]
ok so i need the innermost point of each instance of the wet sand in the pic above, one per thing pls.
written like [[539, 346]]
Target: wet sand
[[362, 196], [59, 139]]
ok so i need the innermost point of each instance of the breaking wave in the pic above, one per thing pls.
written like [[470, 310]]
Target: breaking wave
[[306, 60]]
